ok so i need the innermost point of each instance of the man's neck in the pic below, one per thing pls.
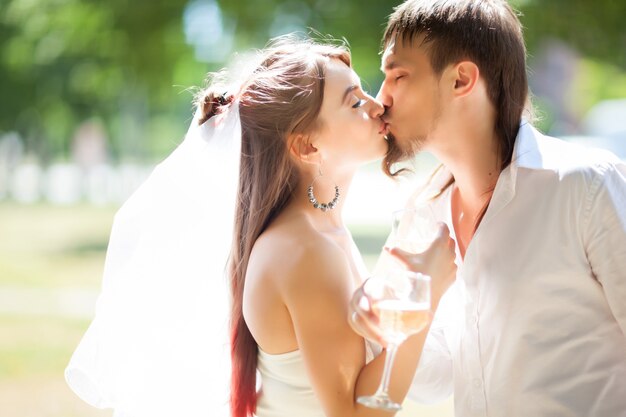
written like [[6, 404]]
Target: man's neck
[[471, 155], [474, 162]]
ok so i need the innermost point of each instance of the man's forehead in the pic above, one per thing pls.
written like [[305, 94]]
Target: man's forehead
[[387, 59], [400, 53], [390, 49]]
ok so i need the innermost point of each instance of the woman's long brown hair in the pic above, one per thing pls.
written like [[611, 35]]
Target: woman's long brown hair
[[282, 97]]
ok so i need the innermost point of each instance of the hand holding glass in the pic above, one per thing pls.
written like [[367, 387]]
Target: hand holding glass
[[413, 229], [401, 300]]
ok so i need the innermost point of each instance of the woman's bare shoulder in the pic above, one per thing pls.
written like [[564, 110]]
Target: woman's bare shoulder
[[292, 251]]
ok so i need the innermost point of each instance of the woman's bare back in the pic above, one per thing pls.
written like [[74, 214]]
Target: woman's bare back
[[281, 259]]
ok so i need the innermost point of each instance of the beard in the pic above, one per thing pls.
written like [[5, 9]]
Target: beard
[[409, 147], [397, 153]]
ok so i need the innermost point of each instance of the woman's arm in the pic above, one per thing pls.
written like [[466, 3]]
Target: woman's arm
[[317, 294]]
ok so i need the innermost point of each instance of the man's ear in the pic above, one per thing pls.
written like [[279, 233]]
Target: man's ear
[[465, 75], [301, 148]]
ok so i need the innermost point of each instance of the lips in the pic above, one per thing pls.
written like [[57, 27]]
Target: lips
[[383, 128]]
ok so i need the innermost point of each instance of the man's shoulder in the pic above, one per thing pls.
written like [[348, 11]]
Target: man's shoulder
[[569, 159]]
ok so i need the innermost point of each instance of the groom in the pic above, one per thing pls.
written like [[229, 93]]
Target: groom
[[536, 323]]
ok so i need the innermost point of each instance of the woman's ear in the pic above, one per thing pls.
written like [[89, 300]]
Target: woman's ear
[[302, 149]]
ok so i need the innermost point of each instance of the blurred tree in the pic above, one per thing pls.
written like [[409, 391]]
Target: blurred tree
[[63, 61], [361, 23], [596, 29], [127, 62]]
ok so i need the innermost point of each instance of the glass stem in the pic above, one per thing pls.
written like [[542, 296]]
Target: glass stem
[[389, 357]]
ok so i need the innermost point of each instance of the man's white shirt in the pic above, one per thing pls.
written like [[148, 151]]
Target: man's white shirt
[[535, 324]]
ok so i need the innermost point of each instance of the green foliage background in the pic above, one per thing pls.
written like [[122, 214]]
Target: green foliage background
[[127, 64]]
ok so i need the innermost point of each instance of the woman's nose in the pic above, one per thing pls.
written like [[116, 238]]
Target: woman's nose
[[376, 108]]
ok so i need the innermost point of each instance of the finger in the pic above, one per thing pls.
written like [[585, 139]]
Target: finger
[[356, 299], [360, 301], [443, 232], [398, 252], [361, 304], [353, 320], [365, 328], [401, 255], [358, 324]]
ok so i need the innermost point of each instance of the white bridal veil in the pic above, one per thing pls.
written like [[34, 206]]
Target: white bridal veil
[[158, 345]]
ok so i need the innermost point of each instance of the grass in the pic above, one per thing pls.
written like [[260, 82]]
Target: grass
[[50, 247], [34, 351], [45, 248], [23, 339]]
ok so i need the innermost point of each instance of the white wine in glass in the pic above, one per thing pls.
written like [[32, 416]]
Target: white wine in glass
[[400, 318], [401, 300]]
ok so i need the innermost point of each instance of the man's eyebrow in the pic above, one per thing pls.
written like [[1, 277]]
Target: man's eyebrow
[[389, 65], [348, 91]]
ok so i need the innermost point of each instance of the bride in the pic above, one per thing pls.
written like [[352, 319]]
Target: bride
[[273, 158]]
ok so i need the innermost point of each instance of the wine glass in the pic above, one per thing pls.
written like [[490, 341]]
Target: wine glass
[[413, 229], [401, 300]]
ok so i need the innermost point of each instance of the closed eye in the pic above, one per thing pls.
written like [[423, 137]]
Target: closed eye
[[358, 104]]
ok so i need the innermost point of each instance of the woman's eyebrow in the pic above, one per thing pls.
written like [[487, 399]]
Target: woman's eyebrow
[[348, 91]]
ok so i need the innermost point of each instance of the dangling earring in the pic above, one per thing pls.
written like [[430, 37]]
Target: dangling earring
[[322, 206]]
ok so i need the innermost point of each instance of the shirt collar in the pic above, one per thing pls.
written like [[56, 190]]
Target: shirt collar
[[527, 153], [532, 150]]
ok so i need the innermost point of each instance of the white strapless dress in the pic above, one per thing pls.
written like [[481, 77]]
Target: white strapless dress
[[286, 390]]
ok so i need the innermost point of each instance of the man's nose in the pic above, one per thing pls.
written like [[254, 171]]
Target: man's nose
[[384, 97]]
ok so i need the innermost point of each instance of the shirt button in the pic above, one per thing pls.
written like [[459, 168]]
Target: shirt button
[[477, 383]]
